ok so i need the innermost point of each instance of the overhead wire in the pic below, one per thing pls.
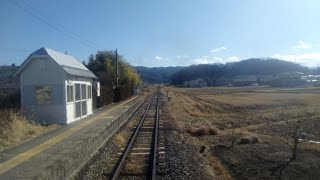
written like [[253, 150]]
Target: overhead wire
[[45, 20], [75, 34]]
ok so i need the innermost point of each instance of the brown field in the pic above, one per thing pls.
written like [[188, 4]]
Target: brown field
[[260, 120]]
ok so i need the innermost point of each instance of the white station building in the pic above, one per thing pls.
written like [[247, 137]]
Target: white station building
[[55, 87]]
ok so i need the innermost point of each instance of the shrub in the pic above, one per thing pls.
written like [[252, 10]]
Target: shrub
[[213, 131], [249, 140], [119, 140], [9, 99], [201, 131]]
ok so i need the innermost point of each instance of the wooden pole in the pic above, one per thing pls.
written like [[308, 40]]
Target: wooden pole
[[117, 69]]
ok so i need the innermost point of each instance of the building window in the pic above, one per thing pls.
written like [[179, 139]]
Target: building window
[[89, 92], [83, 108], [78, 109], [83, 91], [70, 93], [77, 92], [43, 94]]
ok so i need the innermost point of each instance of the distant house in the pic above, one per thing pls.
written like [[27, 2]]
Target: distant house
[[290, 75], [186, 84], [55, 87], [311, 79], [195, 83], [221, 81], [244, 80], [265, 79]]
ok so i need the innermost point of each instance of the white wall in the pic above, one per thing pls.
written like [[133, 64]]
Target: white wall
[[43, 71]]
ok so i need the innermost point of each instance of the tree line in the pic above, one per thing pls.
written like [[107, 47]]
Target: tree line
[[103, 65]]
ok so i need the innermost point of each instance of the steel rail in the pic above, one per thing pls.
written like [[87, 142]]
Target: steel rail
[[125, 154], [153, 169]]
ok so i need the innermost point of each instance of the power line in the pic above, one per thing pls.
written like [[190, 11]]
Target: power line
[[43, 20], [61, 26], [45, 17]]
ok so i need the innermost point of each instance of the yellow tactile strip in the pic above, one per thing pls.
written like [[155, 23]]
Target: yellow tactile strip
[[5, 166]]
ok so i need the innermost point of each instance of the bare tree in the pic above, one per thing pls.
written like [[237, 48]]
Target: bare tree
[[292, 140]]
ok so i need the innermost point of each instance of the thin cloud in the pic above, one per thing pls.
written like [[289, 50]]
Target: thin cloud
[[207, 60], [214, 59], [215, 50], [182, 56], [158, 57], [306, 59], [232, 59], [302, 45]]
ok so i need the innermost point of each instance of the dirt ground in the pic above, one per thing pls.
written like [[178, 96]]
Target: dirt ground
[[201, 124]]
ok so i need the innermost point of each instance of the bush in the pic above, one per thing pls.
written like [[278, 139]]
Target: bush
[[10, 99], [249, 140], [201, 131]]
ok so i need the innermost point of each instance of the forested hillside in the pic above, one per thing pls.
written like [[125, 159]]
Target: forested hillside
[[254, 66], [246, 67], [157, 74]]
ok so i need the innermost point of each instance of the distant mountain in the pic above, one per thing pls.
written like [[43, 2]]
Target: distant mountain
[[157, 74], [254, 66], [258, 66]]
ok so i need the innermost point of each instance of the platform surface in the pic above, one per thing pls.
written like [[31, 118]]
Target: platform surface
[[28, 160]]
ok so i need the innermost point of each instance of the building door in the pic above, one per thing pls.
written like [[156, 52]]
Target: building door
[[77, 101], [83, 99], [80, 100]]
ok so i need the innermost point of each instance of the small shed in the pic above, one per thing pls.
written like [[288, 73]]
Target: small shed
[[55, 87]]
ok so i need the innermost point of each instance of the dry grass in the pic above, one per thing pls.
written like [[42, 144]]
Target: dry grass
[[219, 167], [15, 128], [119, 140], [249, 111], [261, 98]]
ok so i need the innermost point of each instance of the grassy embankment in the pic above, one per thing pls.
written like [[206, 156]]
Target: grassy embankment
[[259, 120], [15, 127]]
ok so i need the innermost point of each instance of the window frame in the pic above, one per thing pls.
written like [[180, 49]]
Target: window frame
[[89, 92], [41, 97], [83, 96], [70, 88], [75, 92]]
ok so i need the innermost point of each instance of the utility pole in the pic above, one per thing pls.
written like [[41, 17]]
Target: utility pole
[[117, 69], [116, 89]]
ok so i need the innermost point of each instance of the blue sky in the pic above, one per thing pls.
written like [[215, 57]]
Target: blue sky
[[164, 32]]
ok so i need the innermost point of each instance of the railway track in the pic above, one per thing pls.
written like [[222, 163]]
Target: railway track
[[143, 156]]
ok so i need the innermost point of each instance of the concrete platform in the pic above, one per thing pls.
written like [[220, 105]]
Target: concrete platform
[[62, 153]]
